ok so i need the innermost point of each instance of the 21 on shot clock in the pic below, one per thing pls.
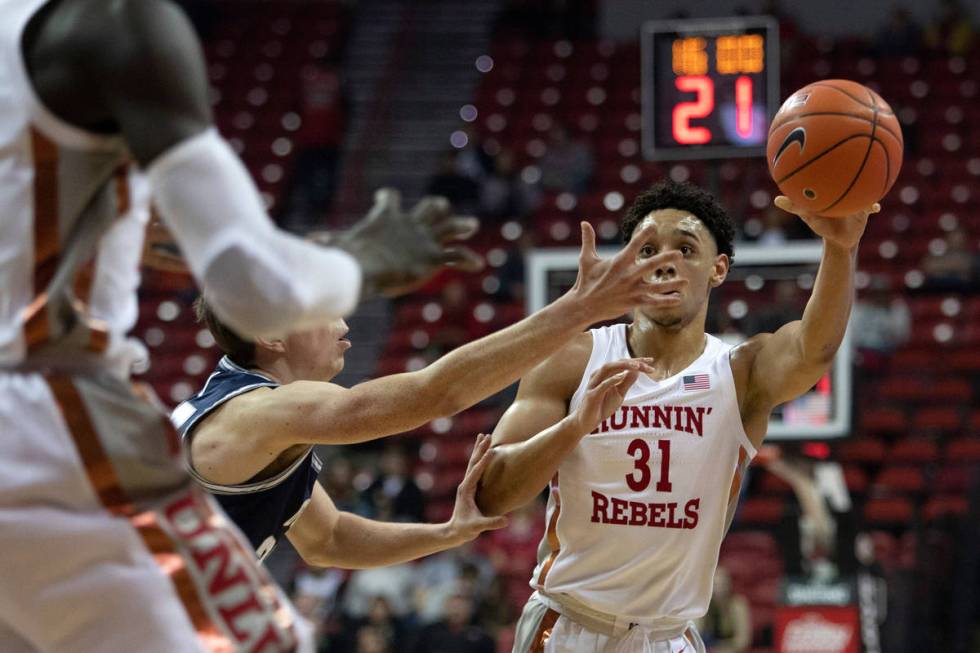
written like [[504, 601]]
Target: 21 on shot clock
[[710, 87]]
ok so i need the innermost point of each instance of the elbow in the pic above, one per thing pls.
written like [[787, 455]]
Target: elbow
[[316, 553]]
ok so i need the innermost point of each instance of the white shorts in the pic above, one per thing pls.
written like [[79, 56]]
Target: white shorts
[[105, 543], [542, 630]]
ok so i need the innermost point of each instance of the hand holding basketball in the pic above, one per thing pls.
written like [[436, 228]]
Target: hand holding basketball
[[844, 232], [834, 148]]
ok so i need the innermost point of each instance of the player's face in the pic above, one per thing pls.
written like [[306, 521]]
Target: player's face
[[701, 265], [318, 354]]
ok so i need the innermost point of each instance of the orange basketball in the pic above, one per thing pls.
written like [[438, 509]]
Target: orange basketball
[[835, 147]]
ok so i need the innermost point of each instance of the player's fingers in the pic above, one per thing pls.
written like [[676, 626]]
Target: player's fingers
[[431, 209], [786, 204], [627, 381], [606, 384], [479, 448], [493, 523], [455, 228], [589, 251], [387, 199], [460, 258], [474, 474], [639, 239], [649, 266], [610, 369]]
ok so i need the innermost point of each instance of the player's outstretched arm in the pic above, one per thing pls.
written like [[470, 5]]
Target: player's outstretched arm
[[534, 436], [148, 83], [327, 537], [790, 361], [309, 412]]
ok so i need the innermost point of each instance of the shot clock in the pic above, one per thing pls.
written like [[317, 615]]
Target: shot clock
[[710, 87]]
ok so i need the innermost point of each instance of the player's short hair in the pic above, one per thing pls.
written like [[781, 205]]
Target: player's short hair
[[238, 349], [683, 196]]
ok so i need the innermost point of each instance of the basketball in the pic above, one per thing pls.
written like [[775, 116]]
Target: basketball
[[834, 147]]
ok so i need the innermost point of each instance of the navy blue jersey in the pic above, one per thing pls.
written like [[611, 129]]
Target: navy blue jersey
[[264, 509]]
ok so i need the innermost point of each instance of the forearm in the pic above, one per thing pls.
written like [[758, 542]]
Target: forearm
[[519, 471], [826, 314], [260, 280], [480, 368], [359, 543]]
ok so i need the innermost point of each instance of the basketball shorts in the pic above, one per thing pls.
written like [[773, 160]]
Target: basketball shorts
[[543, 630], [105, 543]]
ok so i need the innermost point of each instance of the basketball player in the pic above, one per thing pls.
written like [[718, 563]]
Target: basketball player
[[107, 544], [250, 431], [641, 494]]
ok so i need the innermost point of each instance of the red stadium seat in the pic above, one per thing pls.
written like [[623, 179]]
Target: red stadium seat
[[945, 506], [883, 419], [964, 450], [944, 419], [900, 480], [862, 450], [763, 511], [915, 451], [892, 511]]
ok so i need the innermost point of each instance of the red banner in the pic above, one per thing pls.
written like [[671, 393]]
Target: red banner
[[818, 629]]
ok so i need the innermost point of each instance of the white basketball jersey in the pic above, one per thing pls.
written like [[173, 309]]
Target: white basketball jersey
[[638, 510], [72, 217]]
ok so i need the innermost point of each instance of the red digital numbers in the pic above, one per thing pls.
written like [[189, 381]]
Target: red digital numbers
[[743, 106], [701, 107], [641, 466]]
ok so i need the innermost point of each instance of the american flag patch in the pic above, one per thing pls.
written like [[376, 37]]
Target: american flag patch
[[697, 382]]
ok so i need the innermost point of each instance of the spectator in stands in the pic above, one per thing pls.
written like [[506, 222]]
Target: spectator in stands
[[568, 163], [455, 321], [393, 495], [952, 32], [338, 481], [461, 190], [503, 195], [727, 626], [513, 550], [881, 320], [396, 583], [455, 633], [460, 570], [372, 640], [392, 629], [323, 112], [900, 36], [512, 272], [955, 268], [473, 161], [318, 588]]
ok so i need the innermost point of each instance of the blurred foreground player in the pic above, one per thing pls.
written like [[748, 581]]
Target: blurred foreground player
[[644, 486], [250, 431], [107, 544]]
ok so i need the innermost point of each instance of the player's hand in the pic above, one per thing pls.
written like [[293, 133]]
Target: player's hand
[[607, 288], [607, 389], [399, 251], [843, 232], [467, 521]]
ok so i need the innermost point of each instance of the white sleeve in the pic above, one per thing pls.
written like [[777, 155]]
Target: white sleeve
[[261, 281]]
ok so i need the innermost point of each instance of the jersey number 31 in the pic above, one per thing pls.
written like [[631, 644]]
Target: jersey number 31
[[639, 479]]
